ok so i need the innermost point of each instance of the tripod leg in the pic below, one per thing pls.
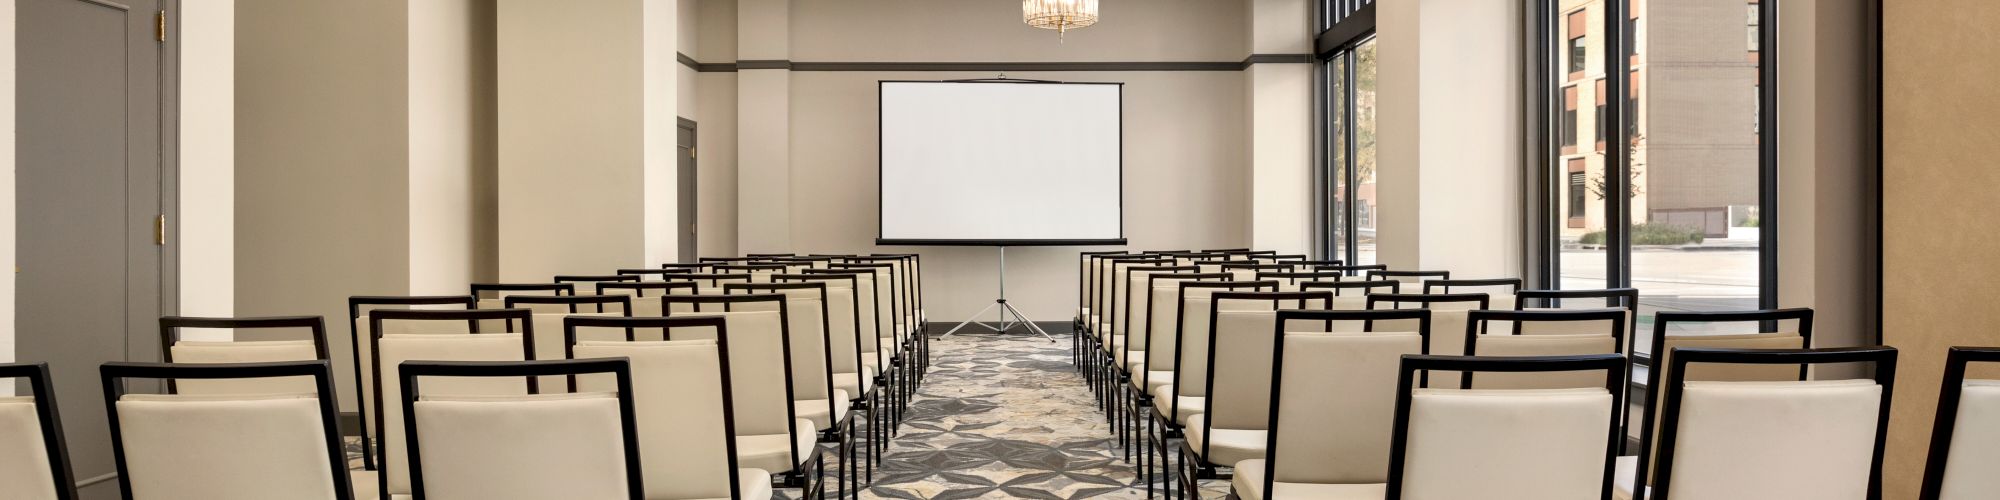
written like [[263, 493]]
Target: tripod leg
[[982, 312]]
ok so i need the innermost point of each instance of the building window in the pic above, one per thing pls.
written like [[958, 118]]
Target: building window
[[1756, 37], [1579, 49], [1569, 121], [1576, 201], [1598, 124]]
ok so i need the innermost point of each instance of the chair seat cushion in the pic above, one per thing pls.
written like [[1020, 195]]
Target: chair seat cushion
[[1230, 445], [365, 485], [846, 382], [1153, 379], [768, 453], [1163, 399], [1249, 485], [815, 410], [755, 484]]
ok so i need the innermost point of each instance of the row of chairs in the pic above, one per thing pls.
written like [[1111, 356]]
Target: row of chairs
[[1217, 345], [789, 359]]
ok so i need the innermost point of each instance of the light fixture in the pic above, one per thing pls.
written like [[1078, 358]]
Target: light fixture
[[1059, 15]]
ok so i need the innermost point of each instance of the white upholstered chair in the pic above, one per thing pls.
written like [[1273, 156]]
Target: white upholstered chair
[[392, 349], [359, 341], [1965, 440], [1542, 332], [1505, 444], [681, 390], [228, 445], [771, 434], [34, 463], [1235, 414], [582, 446], [1774, 440], [262, 345], [1449, 316], [1336, 398]]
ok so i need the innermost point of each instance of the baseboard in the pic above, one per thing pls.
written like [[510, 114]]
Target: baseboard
[[1053, 327]]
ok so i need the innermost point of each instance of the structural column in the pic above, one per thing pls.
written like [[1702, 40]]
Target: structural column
[[1279, 90], [585, 136], [763, 126]]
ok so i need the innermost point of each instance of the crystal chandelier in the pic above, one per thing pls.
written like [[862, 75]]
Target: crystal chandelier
[[1059, 15]]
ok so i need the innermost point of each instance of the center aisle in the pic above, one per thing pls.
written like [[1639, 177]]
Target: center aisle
[[1005, 417]]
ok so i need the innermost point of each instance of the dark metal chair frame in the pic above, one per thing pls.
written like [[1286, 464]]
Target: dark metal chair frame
[[321, 370]]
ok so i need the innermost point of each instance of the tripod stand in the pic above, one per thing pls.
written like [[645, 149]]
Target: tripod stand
[[1006, 310]]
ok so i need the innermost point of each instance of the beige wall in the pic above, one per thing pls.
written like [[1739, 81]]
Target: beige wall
[[206, 221], [7, 188], [1940, 275], [451, 164], [1280, 131]]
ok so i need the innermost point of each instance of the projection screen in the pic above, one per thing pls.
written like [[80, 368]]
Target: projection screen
[[1001, 163]]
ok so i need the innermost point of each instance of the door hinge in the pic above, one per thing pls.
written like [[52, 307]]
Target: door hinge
[[160, 230], [160, 26], [691, 153]]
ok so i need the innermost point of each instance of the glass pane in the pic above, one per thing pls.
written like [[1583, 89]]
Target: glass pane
[[1336, 112], [1694, 159], [1579, 171], [1364, 152]]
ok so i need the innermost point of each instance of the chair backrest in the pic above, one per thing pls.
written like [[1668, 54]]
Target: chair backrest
[[1138, 288], [645, 295], [1449, 314], [572, 304], [759, 273], [359, 341], [1248, 271], [1086, 263], [1506, 443], [1293, 259], [1664, 343], [499, 291], [760, 362], [1331, 423], [174, 348], [1511, 285], [1771, 439], [1625, 298], [1288, 281], [1189, 357], [581, 446], [1162, 308], [806, 317], [867, 315], [392, 350], [890, 298], [1410, 277], [34, 462], [691, 267], [843, 318], [656, 274], [1481, 340], [586, 282], [913, 276], [227, 446], [719, 261], [1243, 331], [1111, 285], [1962, 455], [712, 280], [681, 390], [1352, 295]]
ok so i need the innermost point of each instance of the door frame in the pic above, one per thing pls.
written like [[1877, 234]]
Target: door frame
[[694, 178], [170, 159]]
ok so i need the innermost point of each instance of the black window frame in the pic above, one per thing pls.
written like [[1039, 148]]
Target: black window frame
[[1348, 24]]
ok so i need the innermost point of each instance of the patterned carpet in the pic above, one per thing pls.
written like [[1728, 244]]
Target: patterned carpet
[[1006, 417]]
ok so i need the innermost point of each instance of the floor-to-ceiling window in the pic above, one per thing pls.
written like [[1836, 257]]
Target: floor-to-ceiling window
[[1677, 201], [1346, 46]]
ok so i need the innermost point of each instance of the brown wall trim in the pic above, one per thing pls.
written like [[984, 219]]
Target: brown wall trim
[[1253, 59]]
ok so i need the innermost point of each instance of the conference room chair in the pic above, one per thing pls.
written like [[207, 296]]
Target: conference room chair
[[770, 433], [602, 303], [31, 438], [1110, 298], [1333, 404], [759, 273], [1576, 332], [893, 339], [1235, 413], [1351, 270], [1449, 315], [490, 294], [654, 274], [588, 282], [260, 346], [581, 446], [1773, 329], [718, 261], [1506, 444], [711, 280], [1621, 298], [1091, 311], [1226, 250], [1309, 263], [284, 443], [845, 346], [790, 266], [1183, 393], [1289, 280], [874, 350], [691, 267], [1293, 259], [1351, 295], [1962, 457], [1245, 254], [681, 391], [1087, 263], [768, 255], [645, 295], [360, 346], [1490, 286], [1408, 277], [1152, 318], [1190, 258], [1776, 440], [1132, 297], [812, 367], [1247, 271], [912, 273], [812, 261], [391, 348]]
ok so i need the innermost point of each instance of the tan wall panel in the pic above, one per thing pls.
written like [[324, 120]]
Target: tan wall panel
[[1941, 274]]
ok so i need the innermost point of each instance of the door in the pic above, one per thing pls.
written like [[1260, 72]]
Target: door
[[89, 195], [686, 190]]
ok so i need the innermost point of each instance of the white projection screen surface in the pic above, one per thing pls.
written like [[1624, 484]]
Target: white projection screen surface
[[1001, 163]]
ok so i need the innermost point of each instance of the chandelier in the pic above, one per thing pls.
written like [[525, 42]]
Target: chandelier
[[1059, 15]]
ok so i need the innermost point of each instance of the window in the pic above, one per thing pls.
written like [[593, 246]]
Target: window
[[1350, 203], [1575, 27], [1576, 188], [1691, 216], [1578, 55]]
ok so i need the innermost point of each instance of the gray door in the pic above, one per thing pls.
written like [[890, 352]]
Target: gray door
[[687, 189], [89, 170]]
